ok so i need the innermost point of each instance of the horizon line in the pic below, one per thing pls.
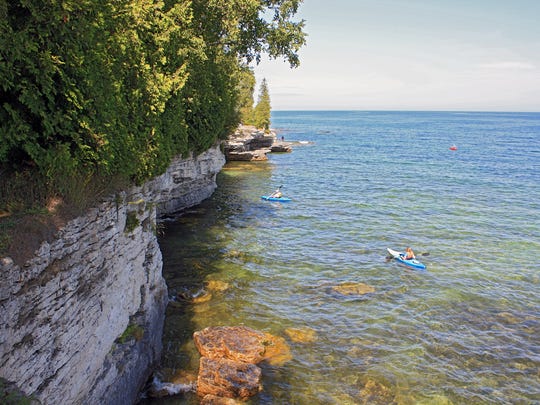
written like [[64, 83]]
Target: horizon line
[[406, 110]]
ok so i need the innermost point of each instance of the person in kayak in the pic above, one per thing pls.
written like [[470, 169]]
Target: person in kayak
[[409, 254], [277, 193]]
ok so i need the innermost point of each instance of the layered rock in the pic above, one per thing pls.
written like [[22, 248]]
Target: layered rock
[[81, 322], [228, 378], [249, 143], [229, 356]]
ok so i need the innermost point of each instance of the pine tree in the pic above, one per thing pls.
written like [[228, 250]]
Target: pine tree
[[261, 112]]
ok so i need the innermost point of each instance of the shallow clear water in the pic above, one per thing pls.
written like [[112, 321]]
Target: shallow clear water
[[466, 331]]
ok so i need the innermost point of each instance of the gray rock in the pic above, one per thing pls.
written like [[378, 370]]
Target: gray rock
[[63, 312]]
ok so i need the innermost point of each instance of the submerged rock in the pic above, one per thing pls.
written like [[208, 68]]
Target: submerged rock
[[301, 335], [353, 289], [228, 378], [195, 297], [205, 296], [277, 351], [217, 285], [375, 393]]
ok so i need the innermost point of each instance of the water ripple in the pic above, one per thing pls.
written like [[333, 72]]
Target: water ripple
[[463, 332]]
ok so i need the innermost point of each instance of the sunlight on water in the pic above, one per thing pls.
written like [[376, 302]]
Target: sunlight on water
[[466, 331]]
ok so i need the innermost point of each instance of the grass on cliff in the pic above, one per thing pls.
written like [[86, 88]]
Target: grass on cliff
[[32, 209], [11, 395]]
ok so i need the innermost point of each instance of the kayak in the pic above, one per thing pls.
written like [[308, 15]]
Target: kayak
[[280, 199], [399, 256]]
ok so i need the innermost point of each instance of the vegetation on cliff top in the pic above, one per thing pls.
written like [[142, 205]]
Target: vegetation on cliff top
[[94, 93]]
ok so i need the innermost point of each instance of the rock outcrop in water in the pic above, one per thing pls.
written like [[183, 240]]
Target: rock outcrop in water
[[249, 143], [81, 322], [229, 357]]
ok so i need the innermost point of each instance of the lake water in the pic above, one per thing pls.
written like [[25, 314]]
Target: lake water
[[466, 331]]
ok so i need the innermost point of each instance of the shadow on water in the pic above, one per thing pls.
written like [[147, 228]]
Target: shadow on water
[[195, 247]]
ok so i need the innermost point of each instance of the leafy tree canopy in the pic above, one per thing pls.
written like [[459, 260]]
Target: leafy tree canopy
[[118, 87]]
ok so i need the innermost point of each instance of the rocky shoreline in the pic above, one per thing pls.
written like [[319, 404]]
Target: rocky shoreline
[[86, 312], [251, 144], [82, 320]]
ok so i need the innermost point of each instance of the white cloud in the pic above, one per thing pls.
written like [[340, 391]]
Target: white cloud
[[508, 65]]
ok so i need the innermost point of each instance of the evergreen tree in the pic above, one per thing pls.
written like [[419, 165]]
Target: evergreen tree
[[261, 112]]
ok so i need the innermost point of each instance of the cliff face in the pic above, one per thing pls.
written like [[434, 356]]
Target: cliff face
[[81, 322]]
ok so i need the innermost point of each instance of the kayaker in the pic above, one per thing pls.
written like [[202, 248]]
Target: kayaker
[[277, 193], [409, 254]]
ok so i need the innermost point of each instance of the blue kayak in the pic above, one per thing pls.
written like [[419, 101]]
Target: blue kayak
[[280, 199], [399, 256]]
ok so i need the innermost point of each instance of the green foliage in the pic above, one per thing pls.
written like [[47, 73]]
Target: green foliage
[[22, 190], [261, 112], [100, 89], [7, 226], [11, 395], [132, 222], [246, 86], [132, 331]]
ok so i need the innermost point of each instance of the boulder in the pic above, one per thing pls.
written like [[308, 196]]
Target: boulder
[[228, 378], [229, 356], [240, 343]]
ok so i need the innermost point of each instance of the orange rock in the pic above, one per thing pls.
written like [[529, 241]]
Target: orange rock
[[228, 378], [277, 352], [241, 343]]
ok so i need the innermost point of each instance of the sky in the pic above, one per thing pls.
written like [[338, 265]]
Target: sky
[[453, 55]]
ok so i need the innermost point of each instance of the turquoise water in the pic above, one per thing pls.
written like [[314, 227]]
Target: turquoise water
[[466, 331]]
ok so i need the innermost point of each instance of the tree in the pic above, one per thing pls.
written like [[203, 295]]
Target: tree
[[249, 28], [116, 88], [261, 112], [246, 87]]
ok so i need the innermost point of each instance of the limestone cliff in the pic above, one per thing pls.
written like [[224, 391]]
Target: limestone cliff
[[81, 322]]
